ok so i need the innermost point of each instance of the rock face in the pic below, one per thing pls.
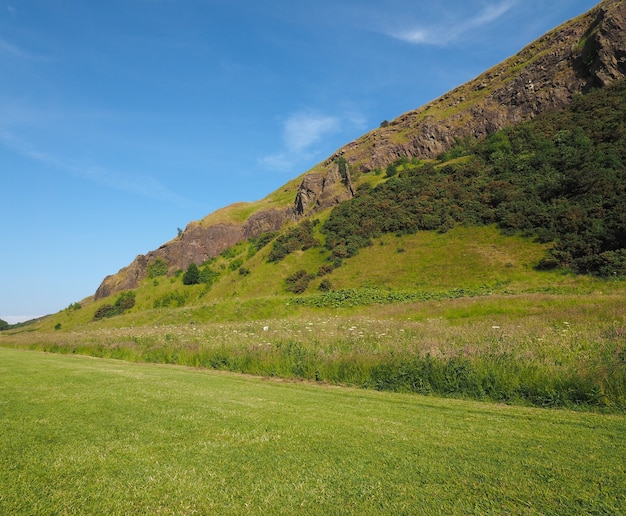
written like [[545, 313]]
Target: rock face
[[195, 245], [587, 52], [321, 190]]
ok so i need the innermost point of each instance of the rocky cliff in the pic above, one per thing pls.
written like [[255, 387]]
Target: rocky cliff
[[196, 244], [200, 242], [587, 52]]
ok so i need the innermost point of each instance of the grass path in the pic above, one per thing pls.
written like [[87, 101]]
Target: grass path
[[89, 436]]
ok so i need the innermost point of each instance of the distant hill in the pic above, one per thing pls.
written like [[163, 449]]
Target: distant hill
[[584, 54]]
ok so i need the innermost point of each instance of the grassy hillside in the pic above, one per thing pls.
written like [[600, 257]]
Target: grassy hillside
[[240, 212], [417, 321], [560, 178], [422, 262], [468, 261], [84, 436]]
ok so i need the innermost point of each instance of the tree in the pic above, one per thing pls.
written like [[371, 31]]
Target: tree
[[3, 325], [192, 275]]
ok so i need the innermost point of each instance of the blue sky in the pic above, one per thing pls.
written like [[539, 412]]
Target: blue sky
[[122, 121]]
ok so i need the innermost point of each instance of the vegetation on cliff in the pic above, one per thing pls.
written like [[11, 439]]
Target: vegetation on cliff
[[560, 178]]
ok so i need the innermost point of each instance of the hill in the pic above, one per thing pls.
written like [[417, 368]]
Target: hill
[[490, 265], [581, 54]]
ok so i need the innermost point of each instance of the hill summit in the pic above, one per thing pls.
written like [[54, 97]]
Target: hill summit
[[582, 54]]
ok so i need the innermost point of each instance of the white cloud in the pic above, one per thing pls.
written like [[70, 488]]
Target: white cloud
[[414, 36], [10, 50], [302, 131], [446, 34], [490, 14], [280, 162]]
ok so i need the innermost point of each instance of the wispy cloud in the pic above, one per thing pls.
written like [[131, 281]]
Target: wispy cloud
[[441, 35], [138, 184], [302, 131], [14, 52]]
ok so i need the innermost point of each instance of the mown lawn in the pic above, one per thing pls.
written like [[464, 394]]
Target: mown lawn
[[92, 436]]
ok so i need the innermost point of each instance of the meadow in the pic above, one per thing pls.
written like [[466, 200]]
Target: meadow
[[452, 340], [543, 349], [97, 436]]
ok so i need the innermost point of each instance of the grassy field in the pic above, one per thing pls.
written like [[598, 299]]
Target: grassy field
[[95, 436], [545, 349], [462, 314]]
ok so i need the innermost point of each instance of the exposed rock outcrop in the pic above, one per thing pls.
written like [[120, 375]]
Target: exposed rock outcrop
[[195, 245], [587, 52], [321, 190]]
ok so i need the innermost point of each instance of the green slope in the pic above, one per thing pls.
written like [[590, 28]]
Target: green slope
[[558, 180], [487, 237]]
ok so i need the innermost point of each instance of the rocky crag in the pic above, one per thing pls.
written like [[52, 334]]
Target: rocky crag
[[586, 52]]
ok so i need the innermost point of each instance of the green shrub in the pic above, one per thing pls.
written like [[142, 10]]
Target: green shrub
[[391, 170], [235, 264], [125, 301], [208, 275], [171, 299], [300, 237], [258, 243], [325, 269], [229, 252], [156, 268], [299, 281], [325, 285], [106, 310]]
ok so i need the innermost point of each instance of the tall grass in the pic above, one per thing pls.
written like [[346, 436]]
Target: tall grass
[[534, 349]]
